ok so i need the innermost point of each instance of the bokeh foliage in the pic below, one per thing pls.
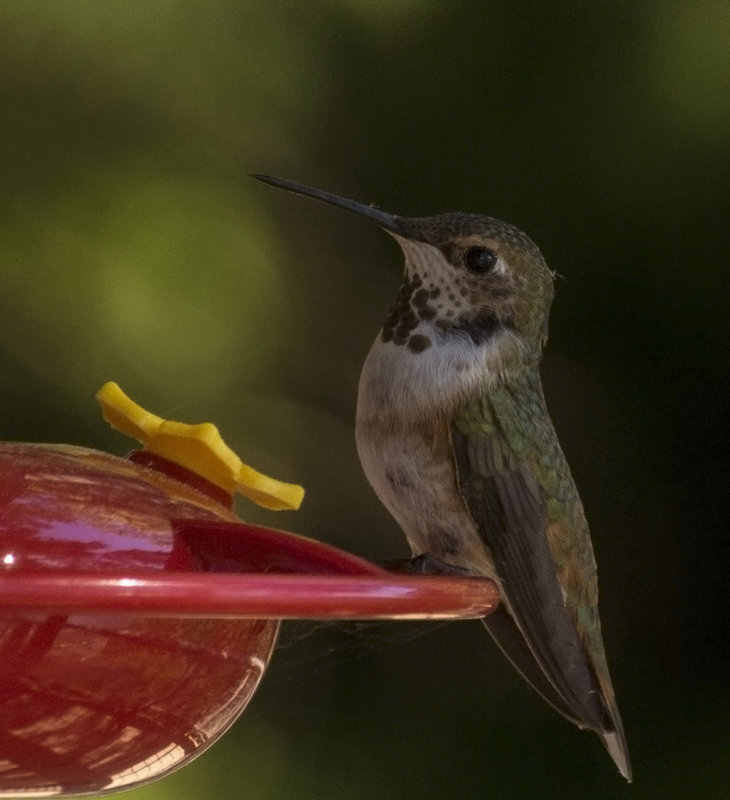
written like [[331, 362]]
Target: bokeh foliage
[[134, 247]]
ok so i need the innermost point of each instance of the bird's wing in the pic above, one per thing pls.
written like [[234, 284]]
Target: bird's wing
[[509, 507]]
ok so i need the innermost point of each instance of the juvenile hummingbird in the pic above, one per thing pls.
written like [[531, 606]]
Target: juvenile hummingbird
[[455, 438]]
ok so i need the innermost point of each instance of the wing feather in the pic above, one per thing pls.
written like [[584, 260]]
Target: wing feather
[[510, 511]]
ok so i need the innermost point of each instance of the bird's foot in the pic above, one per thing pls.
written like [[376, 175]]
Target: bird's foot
[[424, 564]]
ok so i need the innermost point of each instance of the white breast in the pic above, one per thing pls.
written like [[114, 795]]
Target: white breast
[[404, 403], [405, 386]]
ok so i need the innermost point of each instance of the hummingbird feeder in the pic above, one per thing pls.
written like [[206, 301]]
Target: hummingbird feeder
[[138, 613]]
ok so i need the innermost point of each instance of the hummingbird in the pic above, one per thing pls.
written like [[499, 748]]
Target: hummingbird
[[455, 438]]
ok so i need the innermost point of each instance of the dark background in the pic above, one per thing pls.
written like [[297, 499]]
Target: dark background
[[134, 247]]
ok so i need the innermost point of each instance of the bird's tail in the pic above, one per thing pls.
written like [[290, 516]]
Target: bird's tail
[[615, 742]]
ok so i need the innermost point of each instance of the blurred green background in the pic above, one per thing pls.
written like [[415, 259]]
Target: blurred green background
[[134, 247]]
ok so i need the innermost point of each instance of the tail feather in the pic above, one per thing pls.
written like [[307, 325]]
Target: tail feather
[[615, 742], [510, 641]]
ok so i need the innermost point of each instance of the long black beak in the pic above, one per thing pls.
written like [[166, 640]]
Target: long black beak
[[390, 222]]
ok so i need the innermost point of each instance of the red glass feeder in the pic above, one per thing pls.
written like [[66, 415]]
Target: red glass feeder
[[138, 614]]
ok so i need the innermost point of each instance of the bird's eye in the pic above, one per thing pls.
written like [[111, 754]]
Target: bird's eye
[[480, 259]]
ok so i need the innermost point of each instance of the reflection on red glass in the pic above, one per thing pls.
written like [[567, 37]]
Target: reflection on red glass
[[94, 703]]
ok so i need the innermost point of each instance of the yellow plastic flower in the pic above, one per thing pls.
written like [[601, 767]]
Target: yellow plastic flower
[[198, 448]]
